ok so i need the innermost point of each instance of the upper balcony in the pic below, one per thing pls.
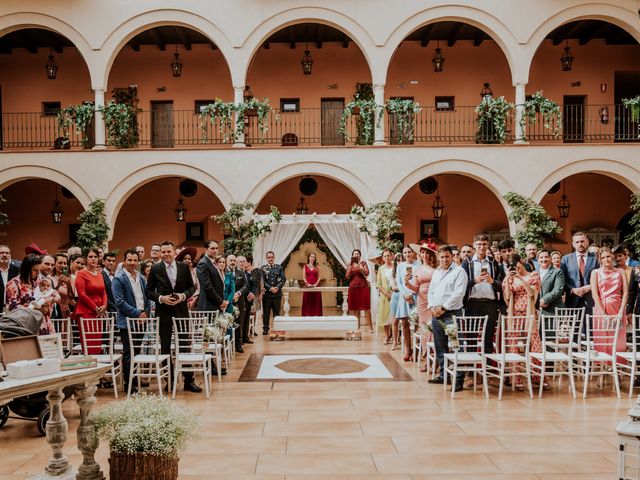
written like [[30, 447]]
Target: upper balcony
[[307, 108]]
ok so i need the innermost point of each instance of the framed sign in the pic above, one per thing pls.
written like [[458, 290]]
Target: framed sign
[[429, 229], [51, 346]]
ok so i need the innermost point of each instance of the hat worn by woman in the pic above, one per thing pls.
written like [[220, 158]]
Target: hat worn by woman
[[191, 251], [416, 247], [33, 248]]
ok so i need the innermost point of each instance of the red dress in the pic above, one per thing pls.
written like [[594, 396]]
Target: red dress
[[359, 296], [91, 294], [311, 301]]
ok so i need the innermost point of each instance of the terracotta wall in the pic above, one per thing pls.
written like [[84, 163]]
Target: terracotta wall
[[332, 196], [470, 207], [597, 201], [148, 215], [28, 205]]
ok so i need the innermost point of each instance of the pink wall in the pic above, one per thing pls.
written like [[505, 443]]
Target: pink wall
[[470, 207], [134, 225], [589, 208], [28, 205], [332, 196]]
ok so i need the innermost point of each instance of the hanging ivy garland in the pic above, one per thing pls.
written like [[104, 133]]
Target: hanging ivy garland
[[404, 111], [633, 104], [550, 111], [120, 120], [221, 114], [492, 115], [78, 115]]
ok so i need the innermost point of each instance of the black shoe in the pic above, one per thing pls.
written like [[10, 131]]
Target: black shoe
[[459, 386], [265, 331], [192, 387], [239, 350], [134, 390], [437, 380], [215, 372], [636, 383], [247, 341]]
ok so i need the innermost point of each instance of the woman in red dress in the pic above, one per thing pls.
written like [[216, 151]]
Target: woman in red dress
[[311, 301], [92, 298], [359, 296]]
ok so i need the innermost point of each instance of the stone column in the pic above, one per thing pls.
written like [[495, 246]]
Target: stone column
[[238, 98], [57, 429], [87, 444], [520, 99], [98, 103], [378, 95]]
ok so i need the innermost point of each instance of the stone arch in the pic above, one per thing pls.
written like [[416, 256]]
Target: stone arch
[[123, 190], [118, 38], [621, 17], [18, 21], [325, 16], [339, 174], [488, 23], [623, 173], [13, 175]]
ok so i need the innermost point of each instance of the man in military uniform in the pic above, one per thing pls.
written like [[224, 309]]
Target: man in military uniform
[[273, 276]]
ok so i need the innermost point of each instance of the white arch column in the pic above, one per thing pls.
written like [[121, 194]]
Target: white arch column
[[520, 99], [238, 98], [99, 125], [378, 94]]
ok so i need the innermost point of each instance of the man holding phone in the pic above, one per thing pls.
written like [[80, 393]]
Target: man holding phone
[[484, 287]]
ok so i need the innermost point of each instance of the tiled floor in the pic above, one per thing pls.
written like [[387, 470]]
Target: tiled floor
[[383, 430]]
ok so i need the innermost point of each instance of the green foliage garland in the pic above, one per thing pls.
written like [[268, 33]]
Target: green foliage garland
[[261, 108], [94, 229], [79, 115], [221, 113], [549, 110], [534, 223], [379, 220], [122, 124], [404, 111], [633, 239], [492, 117], [242, 227], [633, 104]]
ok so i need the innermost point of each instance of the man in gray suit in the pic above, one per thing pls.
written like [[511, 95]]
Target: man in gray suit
[[552, 281], [577, 268]]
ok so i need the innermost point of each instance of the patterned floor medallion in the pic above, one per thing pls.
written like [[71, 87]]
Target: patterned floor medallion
[[322, 366]]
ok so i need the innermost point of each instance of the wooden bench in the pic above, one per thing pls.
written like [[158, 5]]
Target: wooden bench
[[308, 324]]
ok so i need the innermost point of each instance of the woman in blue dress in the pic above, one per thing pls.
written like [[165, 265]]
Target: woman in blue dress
[[406, 299]]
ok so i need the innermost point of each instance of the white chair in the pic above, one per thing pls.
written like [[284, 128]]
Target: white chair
[[578, 341], [189, 356], [220, 351], [515, 342], [632, 355], [595, 361], [146, 360], [97, 342], [557, 331], [63, 328], [470, 355]]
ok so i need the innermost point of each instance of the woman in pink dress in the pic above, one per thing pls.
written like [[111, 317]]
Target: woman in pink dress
[[521, 289], [610, 290], [311, 301], [420, 284]]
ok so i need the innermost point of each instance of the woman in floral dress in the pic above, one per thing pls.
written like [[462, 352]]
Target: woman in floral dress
[[521, 289]]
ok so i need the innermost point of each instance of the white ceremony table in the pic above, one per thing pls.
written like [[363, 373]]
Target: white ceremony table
[[84, 382], [287, 290]]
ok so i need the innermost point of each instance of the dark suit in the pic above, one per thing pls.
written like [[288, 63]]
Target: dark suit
[[573, 279], [633, 304], [273, 277], [111, 303], [551, 290], [242, 286], [211, 285], [14, 271], [158, 285]]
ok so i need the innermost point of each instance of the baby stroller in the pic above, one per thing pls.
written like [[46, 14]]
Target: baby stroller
[[20, 323]]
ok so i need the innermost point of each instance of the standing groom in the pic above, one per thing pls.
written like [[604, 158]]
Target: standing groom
[[169, 285]]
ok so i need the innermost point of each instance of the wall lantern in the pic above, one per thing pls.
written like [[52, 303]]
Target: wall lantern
[[56, 211], [176, 64], [438, 59], [563, 205], [51, 67], [567, 58], [437, 206]]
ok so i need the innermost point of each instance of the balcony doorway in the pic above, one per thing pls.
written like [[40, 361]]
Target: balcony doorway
[[626, 85], [330, 114], [573, 118], [162, 124]]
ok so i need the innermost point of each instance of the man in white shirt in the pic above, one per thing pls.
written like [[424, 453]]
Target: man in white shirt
[[446, 294]]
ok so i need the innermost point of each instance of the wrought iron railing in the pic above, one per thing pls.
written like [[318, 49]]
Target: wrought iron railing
[[320, 127]]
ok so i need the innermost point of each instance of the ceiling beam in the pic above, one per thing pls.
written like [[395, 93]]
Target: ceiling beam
[[49, 39], [292, 37], [592, 33], [135, 46], [426, 34], [455, 34], [345, 41], [184, 37], [266, 45], [319, 35], [213, 46], [24, 41], [157, 39], [479, 38], [568, 32]]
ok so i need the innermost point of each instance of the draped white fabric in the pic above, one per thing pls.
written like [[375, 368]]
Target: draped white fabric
[[283, 238], [341, 239]]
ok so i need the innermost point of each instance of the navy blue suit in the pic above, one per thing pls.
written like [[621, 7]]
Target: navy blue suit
[[573, 279]]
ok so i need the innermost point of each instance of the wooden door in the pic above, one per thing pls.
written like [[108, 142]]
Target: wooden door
[[396, 136], [573, 118], [330, 114], [162, 124]]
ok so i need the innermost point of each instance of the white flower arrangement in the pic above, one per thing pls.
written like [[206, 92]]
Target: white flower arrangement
[[145, 424], [380, 220], [413, 318], [450, 330], [213, 334]]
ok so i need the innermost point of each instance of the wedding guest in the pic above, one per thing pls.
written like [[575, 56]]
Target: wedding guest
[[393, 302], [211, 280], [621, 257], [240, 289], [188, 255], [311, 301], [73, 250], [384, 282], [506, 248], [484, 286], [521, 289], [7, 271], [45, 296], [48, 263], [359, 294], [551, 284], [466, 251], [155, 253], [531, 262], [273, 279], [62, 283], [108, 274], [245, 287], [406, 300], [129, 292], [577, 268], [610, 292], [445, 299], [20, 289], [419, 283], [456, 255], [229, 283], [556, 259], [76, 264], [92, 298], [145, 268]]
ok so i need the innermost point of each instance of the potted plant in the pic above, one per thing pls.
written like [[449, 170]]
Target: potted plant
[[363, 106], [492, 120], [534, 224], [145, 435], [633, 105]]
